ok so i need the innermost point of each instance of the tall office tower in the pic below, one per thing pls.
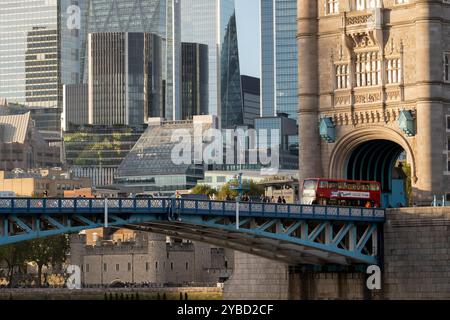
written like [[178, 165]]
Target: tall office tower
[[42, 88], [194, 80], [75, 106], [250, 99], [159, 17], [124, 77], [39, 50], [279, 57], [173, 60], [213, 22]]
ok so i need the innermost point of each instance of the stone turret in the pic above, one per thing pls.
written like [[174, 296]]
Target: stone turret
[[430, 35], [363, 66], [308, 89]]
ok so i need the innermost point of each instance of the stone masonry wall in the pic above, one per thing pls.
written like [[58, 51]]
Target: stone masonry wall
[[417, 254], [256, 278]]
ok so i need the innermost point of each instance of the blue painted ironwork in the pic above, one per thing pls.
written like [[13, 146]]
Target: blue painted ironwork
[[293, 233], [327, 130], [407, 123]]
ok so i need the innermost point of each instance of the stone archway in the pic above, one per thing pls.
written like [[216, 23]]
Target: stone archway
[[370, 153]]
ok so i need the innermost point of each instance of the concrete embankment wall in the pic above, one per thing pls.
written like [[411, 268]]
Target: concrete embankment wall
[[416, 265]]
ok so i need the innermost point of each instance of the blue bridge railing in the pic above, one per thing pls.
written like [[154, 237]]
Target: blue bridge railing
[[186, 207]]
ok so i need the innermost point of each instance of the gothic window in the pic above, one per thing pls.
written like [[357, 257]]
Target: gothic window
[[447, 66], [331, 6], [394, 70], [368, 69], [367, 4], [448, 123], [342, 76]]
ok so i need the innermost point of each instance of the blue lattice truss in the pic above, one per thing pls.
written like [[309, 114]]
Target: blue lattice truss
[[294, 234]]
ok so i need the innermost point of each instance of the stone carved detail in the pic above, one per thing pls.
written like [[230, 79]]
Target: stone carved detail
[[342, 99], [369, 97], [368, 116], [362, 40], [367, 18], [393, 95]]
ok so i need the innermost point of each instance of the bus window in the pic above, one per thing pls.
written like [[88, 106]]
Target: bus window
[[324, 184], [365, 187], [351, 186], [342, 185], [332, 185], [310, 185], [374, 187]]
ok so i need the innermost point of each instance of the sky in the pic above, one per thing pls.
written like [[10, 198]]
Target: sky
[[247, 13]]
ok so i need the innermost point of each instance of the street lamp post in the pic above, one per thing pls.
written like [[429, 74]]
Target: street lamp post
[[239, 189]]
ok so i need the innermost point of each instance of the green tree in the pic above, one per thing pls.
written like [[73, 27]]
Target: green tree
[[250, 187], [51, 251], [203, 189], [14, 256]]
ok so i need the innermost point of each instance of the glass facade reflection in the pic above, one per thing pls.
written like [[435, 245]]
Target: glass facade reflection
[[150, 165], [38, 51], [161, 17], [279, 58], [232, 112], [213, 23], [288, 137], [125, 78], [194, 80]]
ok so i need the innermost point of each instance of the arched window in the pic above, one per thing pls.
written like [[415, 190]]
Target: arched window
[[331, 6], [342, 76], [367, 4], [368, 69], [394, 70]]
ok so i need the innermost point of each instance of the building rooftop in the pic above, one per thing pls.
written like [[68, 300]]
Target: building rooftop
[[13, 128], [152, 154]]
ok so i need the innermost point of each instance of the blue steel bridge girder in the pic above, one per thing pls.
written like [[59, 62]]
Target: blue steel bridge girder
[[291, 233]]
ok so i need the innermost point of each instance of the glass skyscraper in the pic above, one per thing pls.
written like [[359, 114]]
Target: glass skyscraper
[[194, 80], [161, 17], [213, 23], [39, 51], [124, 77], [279, 58]]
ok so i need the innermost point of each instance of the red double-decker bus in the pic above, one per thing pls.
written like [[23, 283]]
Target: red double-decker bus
[[335, 192]]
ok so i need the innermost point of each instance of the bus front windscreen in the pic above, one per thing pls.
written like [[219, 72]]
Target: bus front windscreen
[[310, 185]]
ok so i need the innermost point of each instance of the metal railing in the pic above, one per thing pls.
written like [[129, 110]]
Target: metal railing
[[186, 207], [440, 201]]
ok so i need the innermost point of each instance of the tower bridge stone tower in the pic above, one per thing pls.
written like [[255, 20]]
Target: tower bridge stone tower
[[374, 84]]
